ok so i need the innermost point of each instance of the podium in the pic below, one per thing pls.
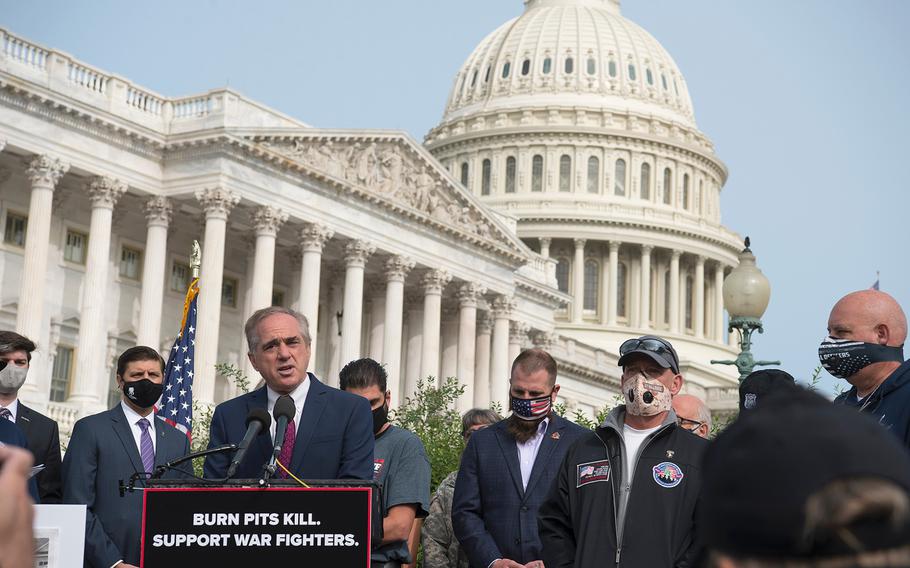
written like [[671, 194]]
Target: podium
[[237, 523]]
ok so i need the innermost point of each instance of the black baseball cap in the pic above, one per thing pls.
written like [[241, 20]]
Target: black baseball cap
[[760, 384], [759, 473], [657, 348]]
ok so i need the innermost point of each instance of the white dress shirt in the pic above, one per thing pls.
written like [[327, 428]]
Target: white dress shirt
[[13, 410], [133, 418], [527, 452], [299, 396]]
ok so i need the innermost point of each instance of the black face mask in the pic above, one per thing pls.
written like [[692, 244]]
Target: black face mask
[[844, 358], [380, 418], [143, 393]]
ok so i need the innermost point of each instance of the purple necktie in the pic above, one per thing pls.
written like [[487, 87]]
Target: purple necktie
[[287, 450], [146, 449]]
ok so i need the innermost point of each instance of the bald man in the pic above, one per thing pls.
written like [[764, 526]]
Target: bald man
[[692, 414], [866, 334]]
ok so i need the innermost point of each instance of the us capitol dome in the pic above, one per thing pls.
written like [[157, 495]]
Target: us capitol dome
[[576, 125]]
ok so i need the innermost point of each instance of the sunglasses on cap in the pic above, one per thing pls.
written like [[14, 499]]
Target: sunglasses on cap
[[653, 345]]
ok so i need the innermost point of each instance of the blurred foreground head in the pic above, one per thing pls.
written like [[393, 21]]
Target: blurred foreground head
[[799, 482]]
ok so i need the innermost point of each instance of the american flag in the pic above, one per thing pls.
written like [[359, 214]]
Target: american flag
[[177, 400], [534, 407]]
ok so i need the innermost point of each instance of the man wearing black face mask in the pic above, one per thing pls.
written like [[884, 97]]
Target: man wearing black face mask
[[507, 469], [866, 334], [400, 465], [113, 445]]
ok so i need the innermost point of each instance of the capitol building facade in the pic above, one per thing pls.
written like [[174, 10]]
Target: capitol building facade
[[566, 200]]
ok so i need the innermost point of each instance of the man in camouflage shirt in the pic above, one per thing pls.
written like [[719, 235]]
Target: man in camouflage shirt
[[440, 547]]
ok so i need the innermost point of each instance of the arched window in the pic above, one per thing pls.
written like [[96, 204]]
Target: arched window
[[485, 177], [474, 78], [486, 75], [592, 66], [668, 186], [631, 72], [621, 288], [645, 189], [464, 174], [685, 195], [663, 79], [547, 65], [649, 76], [592, 285], [667, 297], [570, 65], [537, 173], [611, 68], [510, 174], [700, 197], [619, 184], [525, 67], [565, 173], [593, 174], [690, 300], [506, 67], [562, 274]]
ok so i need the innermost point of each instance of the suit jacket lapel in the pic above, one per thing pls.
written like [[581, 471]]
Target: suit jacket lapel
[[24, 419], [547, 446], [309, 419], [510, 453], [125, 434]]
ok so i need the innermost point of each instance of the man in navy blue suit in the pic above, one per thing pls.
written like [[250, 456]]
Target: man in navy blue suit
[[507, 469], [332, 431], [113, 445], [11, 435]]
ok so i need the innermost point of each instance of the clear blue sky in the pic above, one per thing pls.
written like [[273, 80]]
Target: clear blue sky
[[804, 99]]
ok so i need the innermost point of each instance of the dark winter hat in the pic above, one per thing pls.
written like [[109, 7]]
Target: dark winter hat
[[761, 383], [760, 472]]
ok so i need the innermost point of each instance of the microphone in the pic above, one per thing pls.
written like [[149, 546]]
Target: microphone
[[283, 412], [256, 421]]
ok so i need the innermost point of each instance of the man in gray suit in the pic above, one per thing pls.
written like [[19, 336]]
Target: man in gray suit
[[112, 445]]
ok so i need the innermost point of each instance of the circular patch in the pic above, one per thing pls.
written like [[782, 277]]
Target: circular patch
[[667, 474]]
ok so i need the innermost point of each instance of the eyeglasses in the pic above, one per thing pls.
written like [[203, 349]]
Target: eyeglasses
[[686, 424], [650, 344]]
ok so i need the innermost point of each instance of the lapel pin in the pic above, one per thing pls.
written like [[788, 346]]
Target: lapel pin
[[670, 453], [555, 435]]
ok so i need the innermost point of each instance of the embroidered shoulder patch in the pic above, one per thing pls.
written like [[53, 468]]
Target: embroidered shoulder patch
[[667, 474], [592, 472]]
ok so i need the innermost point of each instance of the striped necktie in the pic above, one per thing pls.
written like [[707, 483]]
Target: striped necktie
[[146, 449]]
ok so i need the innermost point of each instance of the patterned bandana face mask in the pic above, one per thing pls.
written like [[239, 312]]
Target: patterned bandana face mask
[[531, 408], [645, 396], [844, 358]]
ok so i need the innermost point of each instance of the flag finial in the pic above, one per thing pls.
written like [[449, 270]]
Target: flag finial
[[196, 259]]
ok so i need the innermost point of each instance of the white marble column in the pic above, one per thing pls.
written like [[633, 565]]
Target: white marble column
[[449, 344], [578, 281], [518, 336], [334, 327], [545, 246], [482, 361], [700, 296], [158, 214], [614, 289], [645, 302], [217, 202], [468, 294], [396, 270], [267, 221], [356, 254], [414, 307], [433, 282], [313, 237], [674, 291], [500, 364], [376, 339], [89, 391], [719, 303], [44, 172]]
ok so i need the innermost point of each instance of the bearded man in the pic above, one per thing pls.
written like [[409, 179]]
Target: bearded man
[[507, 469], [626, 494]]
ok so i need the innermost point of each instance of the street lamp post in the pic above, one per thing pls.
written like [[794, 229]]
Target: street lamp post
[[746, 296]]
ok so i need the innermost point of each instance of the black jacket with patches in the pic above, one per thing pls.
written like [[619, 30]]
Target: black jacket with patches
[[594, 518]]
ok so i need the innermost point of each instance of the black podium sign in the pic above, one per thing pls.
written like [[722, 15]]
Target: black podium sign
[[237, 526]]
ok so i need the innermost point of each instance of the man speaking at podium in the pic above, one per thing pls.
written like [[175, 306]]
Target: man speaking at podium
[[331, 435]]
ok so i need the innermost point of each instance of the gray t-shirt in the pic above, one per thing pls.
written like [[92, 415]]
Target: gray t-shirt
[[401, 466]]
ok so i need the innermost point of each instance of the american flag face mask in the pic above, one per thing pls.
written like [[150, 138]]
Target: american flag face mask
[[531, 408]]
